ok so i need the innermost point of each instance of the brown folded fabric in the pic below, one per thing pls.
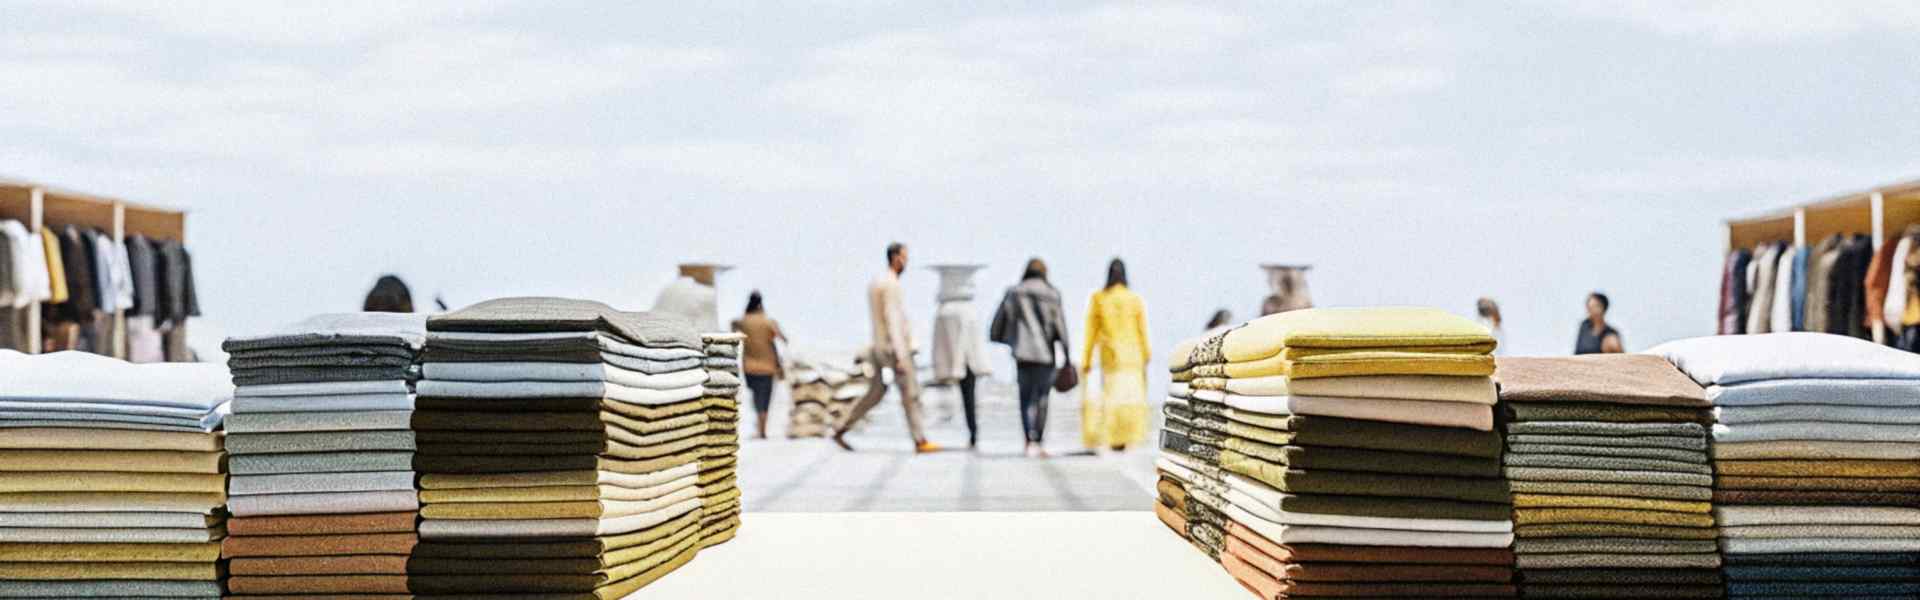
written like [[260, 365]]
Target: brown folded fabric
[[486, 550], [1172, 518], [72, 571], [1366, 435], [1350, 483], [75, 438], [207, 552], [1559, 501], [1267, 586], [1814, 497], [75, 481], [1330, 553], [1366, 572], [514, 464], [393, 522], [1607, 378], [120, 461], [1819, 468], [1839, 484], [385, 564], [517, 510], [608, 562], [318, 584], [1604, 413], [1543, 516], [1366, 461], [1171, 493], [1615, 530], [318, 545]]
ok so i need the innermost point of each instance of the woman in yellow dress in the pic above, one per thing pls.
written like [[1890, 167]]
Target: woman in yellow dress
[[1115, 416]]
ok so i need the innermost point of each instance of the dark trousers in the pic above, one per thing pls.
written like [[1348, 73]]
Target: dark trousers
[[966, 403], [762, 388], [1036, 386]]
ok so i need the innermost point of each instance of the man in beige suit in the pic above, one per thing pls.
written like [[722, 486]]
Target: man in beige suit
[[892, 349]]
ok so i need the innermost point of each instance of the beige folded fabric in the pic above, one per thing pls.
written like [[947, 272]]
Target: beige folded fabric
[[67, 571], [609, 509], [1559, 501], [62, 481], [206, 552], [568, 493], [111, 502], [1819, 468], [1821, 531], [1437, 388], [74, 438], [120, 461], [448, 481]]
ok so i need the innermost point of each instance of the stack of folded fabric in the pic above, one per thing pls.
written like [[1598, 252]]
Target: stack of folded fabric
[[1360, 458], [719, 489], [1190, 464], [1607, 457], [561, 446], [111, 477], [323, 496], [809, 415], [1815, 452]]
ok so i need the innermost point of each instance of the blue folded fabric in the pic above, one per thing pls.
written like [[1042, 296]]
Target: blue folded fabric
[[1844, 392], [1836, 573], [1736, 589]]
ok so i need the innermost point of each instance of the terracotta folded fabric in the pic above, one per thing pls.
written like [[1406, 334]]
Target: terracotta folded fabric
[[1846, 484], [320, 462], [66, 571], [1372, 327], [1436, 388], [1353, 483], [204, 552], [1734, 516], [1331, 553], [1608, 476], [444, 481], [1814, 450], [370, 564], [1674, 442], [1687, 456], [110, 520], [1816, 531], [80, 438], [1541, 516], [515, 464], [556, 510], [318, 584], [388, 522], [1587, 461], [1664, 532], [318, 545], [1609, 545], [1603, 378], [330, 503], [1703, 577], [58, 481], [1357, 363], [1266, 586], [661, 552], [1366, 461], [1816, 497], [1366, 435], [1173, 519], [56, 535], [1606, 413], [1415, 412], [1819, 468], [1623, 490], [1533, 501], [553, 528], [119, 461], [111, 502]]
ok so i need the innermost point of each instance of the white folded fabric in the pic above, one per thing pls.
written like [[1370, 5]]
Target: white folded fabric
[[322, 403], [324, 388], [564, 372], [1311, 534], [1177, 470], [87, 377], [310, 483], [1817, 391], [1435, 388], [42, 535], [114, 408], [492, 528], [1264, 502], [1179, 389], [106, 520], [625, 480], [1729, 359], [1741, 516], [1416, 412], [551, 389], [1824, 530]]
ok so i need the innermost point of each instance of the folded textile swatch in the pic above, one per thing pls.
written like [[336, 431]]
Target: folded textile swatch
[[1606, 378]]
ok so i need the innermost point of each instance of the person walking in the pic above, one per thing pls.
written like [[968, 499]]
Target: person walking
[[1031, 322], [1596, 336], [959, 355], [760, 358], [1117, 329], [389, 294], [1490, 317], [892, 349]]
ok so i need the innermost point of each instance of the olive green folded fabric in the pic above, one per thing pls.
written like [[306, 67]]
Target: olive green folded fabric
[[1847, 484], [1608, 476], [1364, 435], [1542, 516], [363, 564], [608, 448], [590, 548], [1664, 532], [119, 461], [307, 585], [206, 552], [1366, 461], [1675, 442], [659, 553], [1584, 461], [79, 438], [1522, 501], [1704, 560], [1610, 413], [1819, 468], [1688, 456], [1348, 483], [450, 481], [1815, 450], [570, 493], [389, 522], [1624, 490], [192, 483], [71, 571], [1612, 545]]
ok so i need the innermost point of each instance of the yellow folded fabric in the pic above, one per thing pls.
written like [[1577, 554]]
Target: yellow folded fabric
[[75, 438], [62, 481], [63, 571], [1363, 363], [1302, 353], [1557, 501], [123, 461], [112, 501], [721, 499], [1384, 327], [110, 553]]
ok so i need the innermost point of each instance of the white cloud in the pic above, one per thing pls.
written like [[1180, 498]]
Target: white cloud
[[1391, 81], [751, 166], [1760, 21], [292, 22]]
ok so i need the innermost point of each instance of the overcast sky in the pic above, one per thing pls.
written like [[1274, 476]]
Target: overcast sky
[[1415, 153]]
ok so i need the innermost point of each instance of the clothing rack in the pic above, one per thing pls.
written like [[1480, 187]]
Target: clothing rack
[[1882, 212], [38, 205]]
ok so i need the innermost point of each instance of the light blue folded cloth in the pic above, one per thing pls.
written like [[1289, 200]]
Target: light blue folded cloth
[[1815, 431], [1818, 413], [1730, 359], [1845, 392]]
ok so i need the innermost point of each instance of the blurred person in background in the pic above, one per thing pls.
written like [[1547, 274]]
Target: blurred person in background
[[1116, 416], [1596, 336], [1221, 318], [892, 349], [389, 294], [1490, 316], [1031, 322], [760, 358]]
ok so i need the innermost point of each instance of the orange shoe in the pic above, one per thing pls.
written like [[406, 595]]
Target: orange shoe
[[926, 448]]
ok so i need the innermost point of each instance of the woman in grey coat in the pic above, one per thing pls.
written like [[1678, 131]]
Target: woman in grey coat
[[1031, 322]]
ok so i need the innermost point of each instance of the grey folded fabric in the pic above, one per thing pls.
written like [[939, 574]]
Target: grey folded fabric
[[1624, 490], [38, 535], [98, 424], [324, 504], [1849, 392], [118, 408], [266, 423], [340, 329], [319, 462], [323, 403], [307, 483], [1822, 573], [1635, 577], [722, 363], [1759, 532], [1818, 413], [204, 421], [1651, 441], [1688, 456], [1608, 476], [323, 388], [1708, 560], [246, 363], [396, 351], [1606, 429], [1613, 546], [1816, 431], [284, 375], [564, 372], [546, 314], [108, 520], [1581, 461], [111, 589], [340, 441], [555, 389], [575, 347]]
